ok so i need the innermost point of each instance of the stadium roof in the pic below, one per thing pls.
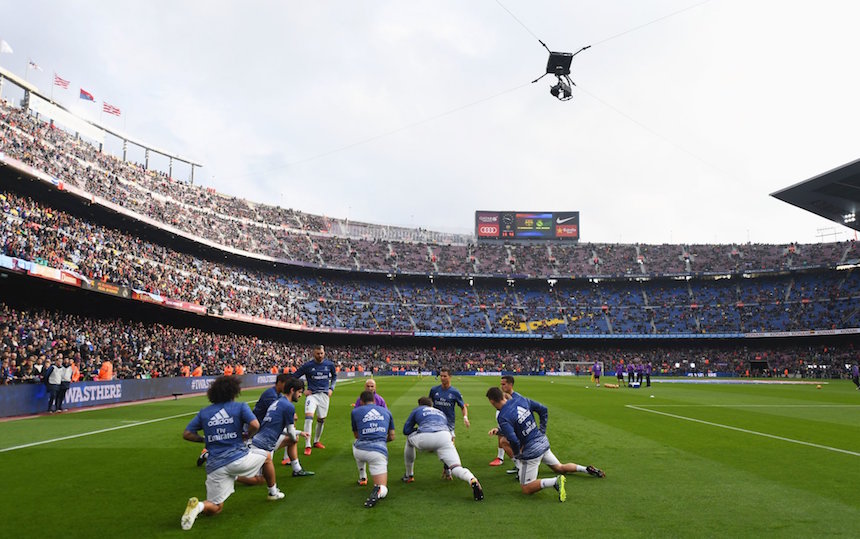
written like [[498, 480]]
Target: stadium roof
[[834, 195]]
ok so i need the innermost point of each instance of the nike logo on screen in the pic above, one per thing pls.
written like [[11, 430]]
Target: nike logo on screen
[[561, 221]]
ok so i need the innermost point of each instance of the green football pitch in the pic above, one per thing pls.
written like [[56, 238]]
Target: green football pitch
[[693, 460]]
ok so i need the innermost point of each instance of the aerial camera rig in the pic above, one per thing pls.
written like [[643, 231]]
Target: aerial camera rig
[[559, 65]]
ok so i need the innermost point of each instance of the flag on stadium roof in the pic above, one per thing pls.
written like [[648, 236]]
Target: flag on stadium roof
[[61, 82], [110, 109], [86, 95], [5, 47], [33, 65]]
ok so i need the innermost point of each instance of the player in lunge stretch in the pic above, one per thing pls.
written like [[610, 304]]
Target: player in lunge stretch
[[445, 397], [507, 386], [277, 429], [270, 395], [373, 428], [222, 424], [427, 430], [321, 377], [530, 444]]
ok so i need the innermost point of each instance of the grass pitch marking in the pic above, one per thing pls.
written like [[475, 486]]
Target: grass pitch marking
[[72, 436], [746, 431], [132, 424]]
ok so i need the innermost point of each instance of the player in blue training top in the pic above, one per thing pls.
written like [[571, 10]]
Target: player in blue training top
[[507, 386], [222, 424], [373, 428], [445, 397], [322, 377], [426, 429], [530, 444], [270, 395], [277, 429]]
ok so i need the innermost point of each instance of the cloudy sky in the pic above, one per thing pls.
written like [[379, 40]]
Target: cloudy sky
[[419, 113]]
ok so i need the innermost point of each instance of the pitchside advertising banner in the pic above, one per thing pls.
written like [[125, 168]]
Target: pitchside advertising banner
[[27, 399], [522, 225]]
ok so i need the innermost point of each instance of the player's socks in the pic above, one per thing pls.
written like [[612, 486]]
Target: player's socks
[[409, 458], [581, 469], [546, 483], [500, 454], [318, 433], [383, 491], [462, 473], [309, 424], [296, 466]]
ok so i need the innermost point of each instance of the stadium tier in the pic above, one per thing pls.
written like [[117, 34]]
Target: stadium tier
[[35, 234], [269, 232], [29, 337]]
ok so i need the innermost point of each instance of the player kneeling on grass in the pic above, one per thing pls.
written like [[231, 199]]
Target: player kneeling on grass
[[530, 444], [222, 423], [277, 430], [373, 428], [427, 430]]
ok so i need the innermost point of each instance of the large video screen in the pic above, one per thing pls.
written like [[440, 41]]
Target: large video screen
[[527, 225]]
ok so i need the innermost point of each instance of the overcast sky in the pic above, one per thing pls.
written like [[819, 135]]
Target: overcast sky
[[419, 113]]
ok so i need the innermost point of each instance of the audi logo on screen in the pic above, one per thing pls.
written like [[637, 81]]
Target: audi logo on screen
[[488, 230]]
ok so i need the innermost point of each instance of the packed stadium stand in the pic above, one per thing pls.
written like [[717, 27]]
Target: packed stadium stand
[[77, 216]]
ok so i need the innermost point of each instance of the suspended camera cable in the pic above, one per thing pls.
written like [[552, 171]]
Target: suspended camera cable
[[655, 133], [473, 103], [382, 135]]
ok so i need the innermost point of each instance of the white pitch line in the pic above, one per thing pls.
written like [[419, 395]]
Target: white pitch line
[[136, 424], [81, 435], [747, 431], [754, 405], [52, 440]]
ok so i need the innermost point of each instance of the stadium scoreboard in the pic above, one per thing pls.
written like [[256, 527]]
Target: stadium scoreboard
[[527, 225]]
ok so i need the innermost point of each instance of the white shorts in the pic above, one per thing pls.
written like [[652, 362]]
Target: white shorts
[[440, 442], [377, 463], [529, 468], [219, 484], [317, 402]]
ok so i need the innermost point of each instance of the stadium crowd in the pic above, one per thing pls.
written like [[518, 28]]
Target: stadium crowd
[[823, 299], [295, 236], [31, 338]]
